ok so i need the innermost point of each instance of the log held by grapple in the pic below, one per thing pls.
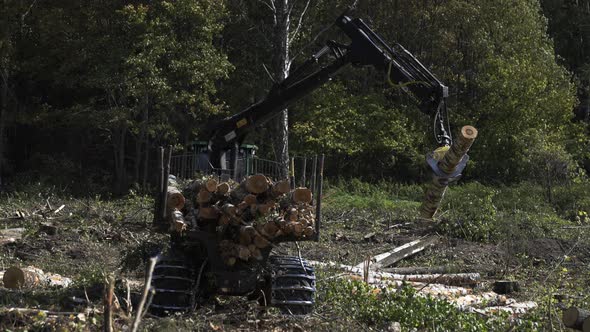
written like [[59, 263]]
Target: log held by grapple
[[447, 168]]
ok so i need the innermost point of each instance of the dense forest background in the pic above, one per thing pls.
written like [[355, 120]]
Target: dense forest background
[[90, 89]]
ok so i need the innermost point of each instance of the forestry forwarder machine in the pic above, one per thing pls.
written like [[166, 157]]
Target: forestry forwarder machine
[[194, 269]]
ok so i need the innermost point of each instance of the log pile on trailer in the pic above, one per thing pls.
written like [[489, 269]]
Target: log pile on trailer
[[246, 217]]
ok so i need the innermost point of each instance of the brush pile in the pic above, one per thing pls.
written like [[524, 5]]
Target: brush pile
[[247, 217]]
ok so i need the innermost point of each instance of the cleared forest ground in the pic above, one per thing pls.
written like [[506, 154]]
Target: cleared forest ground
[[90, 237]]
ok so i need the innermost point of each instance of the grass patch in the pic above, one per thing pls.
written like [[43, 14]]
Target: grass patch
[[393, 199], [472, 211]]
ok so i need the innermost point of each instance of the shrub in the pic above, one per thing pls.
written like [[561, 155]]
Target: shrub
[[469, 212]]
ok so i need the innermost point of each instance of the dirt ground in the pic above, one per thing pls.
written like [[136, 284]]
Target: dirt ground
[[91, 238]]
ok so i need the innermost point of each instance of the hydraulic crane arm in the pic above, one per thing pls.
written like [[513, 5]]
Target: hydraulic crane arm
[[366, 48]]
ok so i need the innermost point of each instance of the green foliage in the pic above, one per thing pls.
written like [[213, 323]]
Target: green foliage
[[503, 77], [378, 307], [572, 202], [479, 213], [472, 211], [101, 85], [469, 212]]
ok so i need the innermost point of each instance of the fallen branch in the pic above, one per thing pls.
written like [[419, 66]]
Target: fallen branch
[[129, 308], [59, 209], [108, 303], [11, 235], [397, 254], [146, 288]]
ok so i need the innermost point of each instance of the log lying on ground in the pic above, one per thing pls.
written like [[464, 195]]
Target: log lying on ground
[[574, 318], [25, 311], [423, 269], [456, 279], [29, 277], [15, 278], [11, 235], [462, 297]]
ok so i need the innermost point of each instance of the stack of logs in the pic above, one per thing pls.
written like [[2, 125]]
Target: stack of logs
[[247, 217]]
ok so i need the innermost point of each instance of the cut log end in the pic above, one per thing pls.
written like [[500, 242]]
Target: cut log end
[[302, 195], [281, 187], [244, 253], [257, 184], [211, 185], [469, 132], [250, 199], [14, 278], [576, 318], [204, 196], [223, 188]]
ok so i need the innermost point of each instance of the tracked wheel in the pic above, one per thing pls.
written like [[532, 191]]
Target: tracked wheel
[[292, 285], [173, 281]]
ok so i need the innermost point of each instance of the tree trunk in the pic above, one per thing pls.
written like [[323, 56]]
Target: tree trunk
[[146, 144], [146, 160], [120, 167], [141, 139], [184, 161], [3, 110], [280, 125]]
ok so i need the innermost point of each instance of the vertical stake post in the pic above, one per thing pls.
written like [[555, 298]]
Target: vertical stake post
[[313, 174], [236, 154], [164, 212], [318, 211], [303, 182], [292, 173], [158, 194]]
